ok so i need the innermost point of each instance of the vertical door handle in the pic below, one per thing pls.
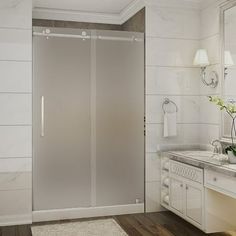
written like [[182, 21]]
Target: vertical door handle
[[42, 116]]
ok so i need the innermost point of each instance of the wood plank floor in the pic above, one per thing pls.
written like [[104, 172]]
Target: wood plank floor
[[151, 224]]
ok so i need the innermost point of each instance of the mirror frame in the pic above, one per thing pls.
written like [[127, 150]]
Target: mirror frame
[[223, 7]]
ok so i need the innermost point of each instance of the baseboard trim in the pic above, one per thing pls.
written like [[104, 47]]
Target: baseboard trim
[[76, 213], [16, 220]]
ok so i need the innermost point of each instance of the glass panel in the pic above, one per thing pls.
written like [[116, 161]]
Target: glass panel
[[119, 118], [61, 163]]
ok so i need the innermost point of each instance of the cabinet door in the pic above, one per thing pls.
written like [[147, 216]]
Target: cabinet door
[[176, 195], [194, 204]]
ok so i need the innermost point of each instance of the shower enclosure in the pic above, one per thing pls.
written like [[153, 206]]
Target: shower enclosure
[[88, 122]]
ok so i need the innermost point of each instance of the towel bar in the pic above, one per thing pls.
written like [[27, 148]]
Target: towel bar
[[166, 102]]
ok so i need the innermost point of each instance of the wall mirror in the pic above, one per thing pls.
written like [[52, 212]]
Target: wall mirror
[[228, 35]]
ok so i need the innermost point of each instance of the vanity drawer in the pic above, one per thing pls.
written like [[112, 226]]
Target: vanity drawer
[[220, 183], [186, 171]]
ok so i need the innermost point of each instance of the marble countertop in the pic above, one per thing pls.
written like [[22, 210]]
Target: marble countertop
[[204, 160]]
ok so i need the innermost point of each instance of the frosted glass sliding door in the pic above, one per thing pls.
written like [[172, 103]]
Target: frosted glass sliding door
[[119, 118], [88, 119], [61, 164]]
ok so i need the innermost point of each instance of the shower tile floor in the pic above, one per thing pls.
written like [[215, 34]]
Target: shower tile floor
[[150, 224]]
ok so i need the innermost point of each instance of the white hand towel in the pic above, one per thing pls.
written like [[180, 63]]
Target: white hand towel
[[170, 124]]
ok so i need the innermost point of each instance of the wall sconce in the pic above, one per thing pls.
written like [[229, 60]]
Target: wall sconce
[[228, 61], [201, 60]]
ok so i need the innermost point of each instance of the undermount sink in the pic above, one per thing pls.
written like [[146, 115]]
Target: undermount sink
[[205, 156]]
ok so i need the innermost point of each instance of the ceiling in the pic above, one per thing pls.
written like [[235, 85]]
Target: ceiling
[[93, 6], [99, 11]]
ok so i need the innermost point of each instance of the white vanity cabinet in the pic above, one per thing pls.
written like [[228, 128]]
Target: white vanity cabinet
[[194, 204], [220, 202], [186, 192], [186, 200], [176, 195], [205, 197], [220, 183]]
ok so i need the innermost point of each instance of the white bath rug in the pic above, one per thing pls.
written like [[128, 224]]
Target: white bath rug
[[107, 227]]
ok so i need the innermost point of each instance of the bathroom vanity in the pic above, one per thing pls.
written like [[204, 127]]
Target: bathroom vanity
[[200, 187]]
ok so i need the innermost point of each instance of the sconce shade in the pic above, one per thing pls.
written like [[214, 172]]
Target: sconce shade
[[201, 58], [228, 59]]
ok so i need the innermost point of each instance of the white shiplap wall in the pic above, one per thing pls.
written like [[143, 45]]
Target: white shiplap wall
[[15, 112]]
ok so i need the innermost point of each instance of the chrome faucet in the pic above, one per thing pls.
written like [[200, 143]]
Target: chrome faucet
[[217, 146]]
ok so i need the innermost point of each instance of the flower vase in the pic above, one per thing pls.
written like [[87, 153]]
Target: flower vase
[[231, 157]]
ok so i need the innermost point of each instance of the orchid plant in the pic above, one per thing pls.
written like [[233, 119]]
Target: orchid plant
[[230, 109]]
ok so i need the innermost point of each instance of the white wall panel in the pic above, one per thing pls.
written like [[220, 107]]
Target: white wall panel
[[153, 167], [16, 141], [15, 109], [16, 77], [15, 112], [172, 39], [188, 107], [16, 14], [153, 197], [172, 23], [172, 80], [15, 44], [170, 52], [15, 207]]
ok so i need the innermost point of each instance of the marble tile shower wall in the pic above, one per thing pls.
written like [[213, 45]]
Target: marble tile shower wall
[[172, 37], [210, 40], [16, 111]]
